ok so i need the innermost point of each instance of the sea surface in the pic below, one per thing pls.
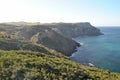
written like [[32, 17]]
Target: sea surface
[[102, 51]]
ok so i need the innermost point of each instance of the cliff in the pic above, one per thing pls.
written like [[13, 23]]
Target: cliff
[[56, 36], [71, 30], [53, 40], [44, 60]]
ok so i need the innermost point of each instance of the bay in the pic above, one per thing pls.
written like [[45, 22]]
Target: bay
[[103, 51]]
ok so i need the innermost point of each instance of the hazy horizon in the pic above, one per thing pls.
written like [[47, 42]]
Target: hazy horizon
[[98, 13]]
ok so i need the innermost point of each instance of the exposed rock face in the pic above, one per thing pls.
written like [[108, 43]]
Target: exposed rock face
[[53, 40], [55, 36]]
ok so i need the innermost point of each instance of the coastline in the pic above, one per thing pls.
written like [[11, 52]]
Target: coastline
[[77, 49], [80, 44]]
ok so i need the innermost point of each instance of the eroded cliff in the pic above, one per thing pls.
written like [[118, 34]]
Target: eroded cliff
[[71, 30], [56, 36]]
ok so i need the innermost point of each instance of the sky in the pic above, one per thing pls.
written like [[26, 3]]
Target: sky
[[97, 12]]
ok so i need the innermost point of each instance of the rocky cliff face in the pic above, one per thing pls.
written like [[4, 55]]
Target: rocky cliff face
[[43, 35], [56, 36], [53, 40], [71, 30]]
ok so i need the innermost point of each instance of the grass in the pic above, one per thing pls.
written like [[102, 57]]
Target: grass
[[28, 65]]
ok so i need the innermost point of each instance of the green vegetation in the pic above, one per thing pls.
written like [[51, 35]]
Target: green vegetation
[[27, 65], [38, 61]]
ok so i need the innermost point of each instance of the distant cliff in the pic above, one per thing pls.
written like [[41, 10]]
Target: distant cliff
[[56, 36], [71, 30]]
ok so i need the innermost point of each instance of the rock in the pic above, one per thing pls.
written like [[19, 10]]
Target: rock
[[91, 65]]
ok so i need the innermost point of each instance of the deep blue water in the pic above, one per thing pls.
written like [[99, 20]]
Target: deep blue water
[[103, 51]]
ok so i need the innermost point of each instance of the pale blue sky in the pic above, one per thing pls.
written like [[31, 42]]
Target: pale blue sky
[[97, 12]]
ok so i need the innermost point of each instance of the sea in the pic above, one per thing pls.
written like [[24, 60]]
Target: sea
[[102, 51]]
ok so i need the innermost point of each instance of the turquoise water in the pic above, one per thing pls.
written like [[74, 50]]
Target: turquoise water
[[103, 51]]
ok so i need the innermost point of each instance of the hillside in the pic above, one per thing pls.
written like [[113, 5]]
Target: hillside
[[56, 36], [34, 51], [27, 65]]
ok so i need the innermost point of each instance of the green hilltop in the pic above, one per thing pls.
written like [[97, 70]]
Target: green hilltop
[[28, 65]]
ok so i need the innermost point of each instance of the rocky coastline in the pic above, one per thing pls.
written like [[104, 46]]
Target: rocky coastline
[[56, 36]]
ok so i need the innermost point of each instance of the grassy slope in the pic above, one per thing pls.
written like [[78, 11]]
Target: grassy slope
[[27, 65]]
